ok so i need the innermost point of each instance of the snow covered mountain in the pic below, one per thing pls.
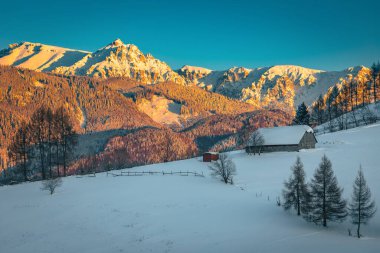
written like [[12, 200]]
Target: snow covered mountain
[[282, 86], [122, 60], [285, 85], [39, 57], [114, 60], [193, 74]]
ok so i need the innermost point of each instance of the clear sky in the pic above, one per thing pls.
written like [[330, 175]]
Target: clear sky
[[328, 35]]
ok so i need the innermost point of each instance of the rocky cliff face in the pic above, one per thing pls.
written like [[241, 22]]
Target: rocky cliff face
[[114, 60], [122, 60], [283, 86]]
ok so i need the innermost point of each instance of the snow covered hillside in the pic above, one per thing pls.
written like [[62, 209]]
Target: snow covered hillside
[[40, 57], [172, 213]]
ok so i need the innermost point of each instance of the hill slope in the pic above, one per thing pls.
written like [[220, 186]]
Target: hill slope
[[92, 106], [40, 57], [175, 213]]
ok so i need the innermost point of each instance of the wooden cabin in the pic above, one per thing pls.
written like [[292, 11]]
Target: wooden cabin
[[286, 138], [210, 156]]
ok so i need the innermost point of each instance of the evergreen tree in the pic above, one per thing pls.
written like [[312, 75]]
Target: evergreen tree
[[296, 193], [361, 208], [327, 203], [302, 115]]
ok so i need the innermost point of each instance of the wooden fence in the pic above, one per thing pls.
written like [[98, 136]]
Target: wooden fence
[[163, 173]]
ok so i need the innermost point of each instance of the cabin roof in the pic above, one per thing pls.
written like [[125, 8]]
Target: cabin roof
[[285, 135], [211, 153]]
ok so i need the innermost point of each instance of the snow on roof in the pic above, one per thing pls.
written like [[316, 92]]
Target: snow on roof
[[286, 135]]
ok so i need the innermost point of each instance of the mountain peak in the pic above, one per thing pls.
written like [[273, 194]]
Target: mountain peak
[[117, 42], [114, 44], [194, 69]]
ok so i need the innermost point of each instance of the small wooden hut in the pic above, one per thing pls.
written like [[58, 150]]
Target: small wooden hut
[[286, 138], [210, 156]]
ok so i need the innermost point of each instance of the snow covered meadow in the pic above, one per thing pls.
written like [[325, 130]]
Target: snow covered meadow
[[173, 213]]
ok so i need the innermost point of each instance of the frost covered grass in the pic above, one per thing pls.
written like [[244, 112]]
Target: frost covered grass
[[172, 213]]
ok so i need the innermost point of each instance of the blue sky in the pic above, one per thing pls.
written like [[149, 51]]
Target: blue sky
[[329, 35]]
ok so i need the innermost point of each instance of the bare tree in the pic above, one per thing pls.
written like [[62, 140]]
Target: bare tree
[[168, 153], [374, 74], [67, 136], [368, 116], [49, 122], [51, 184], [38, 128], [317, 112], [224, 168], [256, 142], [20, 149]]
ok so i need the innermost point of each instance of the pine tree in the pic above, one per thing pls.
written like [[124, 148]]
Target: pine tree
[[302, 115], [361, 208], [327, 203], [296, 193]]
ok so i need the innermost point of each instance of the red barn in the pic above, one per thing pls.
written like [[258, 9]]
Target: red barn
[[210, 156]]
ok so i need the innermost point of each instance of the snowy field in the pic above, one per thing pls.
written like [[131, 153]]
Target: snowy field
[[172, 213]]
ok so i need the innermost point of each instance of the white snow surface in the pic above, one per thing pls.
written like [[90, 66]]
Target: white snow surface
[[171, 213], [284, 135], [195, 69], [40, 57]]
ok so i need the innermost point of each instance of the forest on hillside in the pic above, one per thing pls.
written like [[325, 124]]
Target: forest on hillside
[[131, 137], [91, 105]]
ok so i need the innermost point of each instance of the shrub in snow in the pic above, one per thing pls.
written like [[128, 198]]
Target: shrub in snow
[[224, 168], [327, 203], [361, 208], [51, 184]]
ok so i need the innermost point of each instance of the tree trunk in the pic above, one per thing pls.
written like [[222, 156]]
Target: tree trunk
[[298, 201], [360, 207], [324, 202]]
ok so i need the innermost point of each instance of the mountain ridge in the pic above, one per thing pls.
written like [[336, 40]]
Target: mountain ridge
[[278, 86]]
